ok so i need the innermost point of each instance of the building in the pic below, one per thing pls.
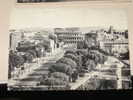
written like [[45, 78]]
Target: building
[[52, 45], [15, 38], [120, 46], [69, 36], [112, 47], [113, 41]]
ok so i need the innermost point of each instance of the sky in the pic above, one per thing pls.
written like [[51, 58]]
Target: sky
[[67, 17]]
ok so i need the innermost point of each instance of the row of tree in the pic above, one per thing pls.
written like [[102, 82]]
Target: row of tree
[[62, 72], [25, 53], [72, 65]]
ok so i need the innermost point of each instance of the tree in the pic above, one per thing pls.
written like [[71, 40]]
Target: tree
[[70, 51], [68, 61], [99, 57], [46, 44], [90, 43], [106, 84], [81, 45], [126, 34], [61, 67], [28, 57], [51, 81], [91, 55], [33, 52], [53, 37], [38, 49], [90, 64], [82, 52], [15, 60], [72, 56], [60, 75]]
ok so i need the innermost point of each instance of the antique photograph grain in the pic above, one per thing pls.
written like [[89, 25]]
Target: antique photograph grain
[[93, 57]]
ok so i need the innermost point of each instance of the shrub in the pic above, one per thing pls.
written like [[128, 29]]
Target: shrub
[[106, 84], [81, 45], [101, 59], [39, 53], [60, 75], [105, 58], [72, 56], [81, 74], [16, 60], [83, 52], [70, 52], [51, 81], [67, 61], [91, 84], [91, 55], [97, 56], [33, 53], [28, 57], [90, 64], [61, 67]]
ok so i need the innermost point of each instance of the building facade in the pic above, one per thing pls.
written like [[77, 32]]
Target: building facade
[[15, 38], [114, 47], [70, 37]]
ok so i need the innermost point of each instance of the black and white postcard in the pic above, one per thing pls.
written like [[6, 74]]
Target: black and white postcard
[[78, 49]]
